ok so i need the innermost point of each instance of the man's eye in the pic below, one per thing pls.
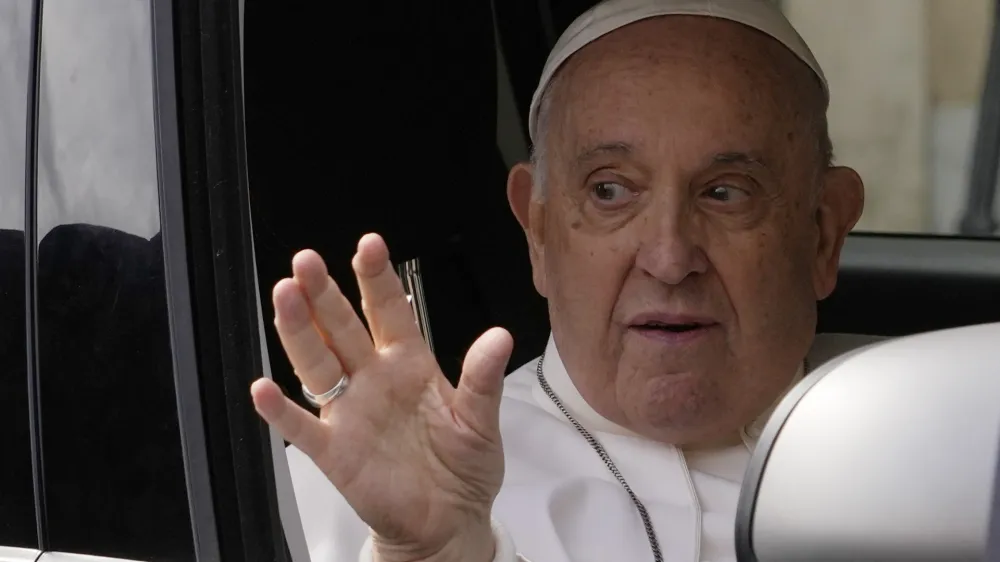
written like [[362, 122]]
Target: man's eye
[[726, 193], [611, 193]]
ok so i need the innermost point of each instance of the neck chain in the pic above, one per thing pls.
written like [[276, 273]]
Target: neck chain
[[654, 544]]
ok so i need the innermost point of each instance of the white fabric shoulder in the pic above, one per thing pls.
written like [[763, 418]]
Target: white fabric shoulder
[[505, 547]]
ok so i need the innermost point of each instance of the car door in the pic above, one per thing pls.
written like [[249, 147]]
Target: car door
[[130, 317]]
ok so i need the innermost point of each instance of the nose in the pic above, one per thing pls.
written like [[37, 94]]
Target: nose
[[670, 249]]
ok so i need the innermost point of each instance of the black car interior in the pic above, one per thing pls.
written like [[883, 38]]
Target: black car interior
[[406, 147], [13, 390]]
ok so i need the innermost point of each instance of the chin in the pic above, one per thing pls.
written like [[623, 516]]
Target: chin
[[674, 399]]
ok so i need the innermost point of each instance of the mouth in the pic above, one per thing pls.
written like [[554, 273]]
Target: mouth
[[678, 328], [672, 329]]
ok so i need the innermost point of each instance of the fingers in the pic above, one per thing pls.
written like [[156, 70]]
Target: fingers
[[331, 310], [390, 315], [314, 363], [295, 425], [477, 398]]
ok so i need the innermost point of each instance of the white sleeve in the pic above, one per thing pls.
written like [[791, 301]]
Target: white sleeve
[[504, 543]]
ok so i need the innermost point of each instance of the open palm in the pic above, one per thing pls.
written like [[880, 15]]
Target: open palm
[[419, 461]]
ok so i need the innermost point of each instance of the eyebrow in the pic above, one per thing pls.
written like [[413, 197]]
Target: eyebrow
[[739, 158], [626, 149], [615, 148]]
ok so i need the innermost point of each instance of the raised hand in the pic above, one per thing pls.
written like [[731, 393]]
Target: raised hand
[[419, 461]]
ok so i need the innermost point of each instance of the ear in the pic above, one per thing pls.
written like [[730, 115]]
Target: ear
[[528, 210], [841, 201]]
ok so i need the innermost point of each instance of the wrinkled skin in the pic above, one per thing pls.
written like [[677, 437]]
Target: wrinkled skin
[[684, 178]]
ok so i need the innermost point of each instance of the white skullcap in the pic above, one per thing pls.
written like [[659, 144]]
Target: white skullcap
[[610, 15]]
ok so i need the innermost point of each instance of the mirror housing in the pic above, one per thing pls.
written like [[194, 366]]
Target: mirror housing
[[885, 453]]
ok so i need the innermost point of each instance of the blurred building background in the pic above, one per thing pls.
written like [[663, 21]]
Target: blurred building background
[[906, 77]]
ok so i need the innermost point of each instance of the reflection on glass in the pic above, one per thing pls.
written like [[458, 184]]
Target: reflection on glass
[[17, 504], [113, 463], [906, 80]]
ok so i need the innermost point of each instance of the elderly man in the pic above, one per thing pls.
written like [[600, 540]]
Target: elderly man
[[683, 218]]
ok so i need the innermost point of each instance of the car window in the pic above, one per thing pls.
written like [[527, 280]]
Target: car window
[[906, 81], [113, 464], [17, 507]]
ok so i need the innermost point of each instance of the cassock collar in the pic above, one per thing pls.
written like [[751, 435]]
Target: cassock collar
[[561, 383]]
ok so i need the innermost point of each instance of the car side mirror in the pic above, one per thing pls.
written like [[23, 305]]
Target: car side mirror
[[885, 453]]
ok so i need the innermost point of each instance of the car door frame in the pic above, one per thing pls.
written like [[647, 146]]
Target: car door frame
[[212, 279], [230, 455]]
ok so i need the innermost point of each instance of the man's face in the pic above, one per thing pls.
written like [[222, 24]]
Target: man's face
[[681, 245]]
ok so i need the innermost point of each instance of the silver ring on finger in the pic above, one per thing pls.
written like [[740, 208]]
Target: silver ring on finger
[[320, 400]]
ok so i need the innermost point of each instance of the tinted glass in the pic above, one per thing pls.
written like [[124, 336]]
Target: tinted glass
[[113, 463], [17, 508]]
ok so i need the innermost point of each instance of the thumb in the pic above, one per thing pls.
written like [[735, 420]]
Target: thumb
[[477, 398]]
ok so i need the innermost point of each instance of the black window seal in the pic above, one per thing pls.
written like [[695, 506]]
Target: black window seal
[[221, 278], [174, 238], [31, 274]]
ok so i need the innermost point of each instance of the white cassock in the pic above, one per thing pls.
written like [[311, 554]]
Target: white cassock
[[559, 501]]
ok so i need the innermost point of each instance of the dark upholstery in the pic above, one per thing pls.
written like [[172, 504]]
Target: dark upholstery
[[526, 41], [17, 519], [375, 121], [113, 465], [894, 304]]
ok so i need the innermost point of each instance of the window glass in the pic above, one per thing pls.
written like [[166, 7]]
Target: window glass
[[906, 81], [17, 507], [114, 470]]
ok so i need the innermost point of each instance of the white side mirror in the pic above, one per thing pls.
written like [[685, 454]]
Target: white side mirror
[[886, 454]]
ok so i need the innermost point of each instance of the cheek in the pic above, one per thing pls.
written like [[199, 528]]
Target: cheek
[[766, 279], [585, 274]]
